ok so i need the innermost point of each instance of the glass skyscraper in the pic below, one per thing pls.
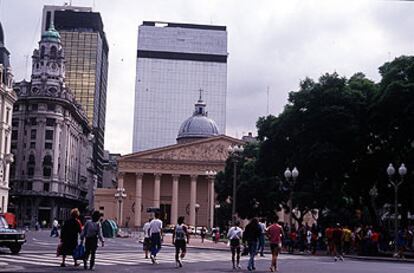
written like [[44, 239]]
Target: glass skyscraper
[[86, 53], [175, 61]]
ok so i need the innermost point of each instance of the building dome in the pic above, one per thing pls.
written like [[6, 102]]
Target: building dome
[[198, 126], [51, 34]]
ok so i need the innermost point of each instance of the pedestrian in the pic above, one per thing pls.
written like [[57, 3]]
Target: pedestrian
[[235, 235], [156, 235], [347, 239], [180, 240], [337, 238], [147, 240], [92, 232], [329, 239], [262, 237], [69, 236], [292, 240], [251, 236], [203, 234], [54, 232], [275, 234]]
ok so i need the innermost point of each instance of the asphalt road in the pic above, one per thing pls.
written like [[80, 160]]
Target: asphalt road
[[125, 255]]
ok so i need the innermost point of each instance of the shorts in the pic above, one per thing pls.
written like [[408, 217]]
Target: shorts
[[235, 243], [147, 244], [180, 245], [275, 247]]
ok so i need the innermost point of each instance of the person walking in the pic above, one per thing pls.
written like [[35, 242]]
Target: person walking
[[260, 248], [235, 235], [54, 232], [147, 240], [92, 232], [251, 235], [156, 235], [275, 234], [69, 236], [337, 238], [203, 234], [180, 240]]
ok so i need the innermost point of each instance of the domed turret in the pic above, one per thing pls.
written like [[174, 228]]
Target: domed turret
[[51, 34], [197, 126]]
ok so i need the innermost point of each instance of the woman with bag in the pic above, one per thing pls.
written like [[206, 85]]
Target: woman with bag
[[69, 236], [91, 232]]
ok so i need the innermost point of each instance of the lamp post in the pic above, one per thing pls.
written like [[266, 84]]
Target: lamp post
[[234, 152], [211, 174], [197, 207], [291, 176], [402, 171], [120, 195]]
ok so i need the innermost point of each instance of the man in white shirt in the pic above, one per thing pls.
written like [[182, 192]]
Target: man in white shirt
[[54, 232], [147, 239], [260, 248], [155, 231]]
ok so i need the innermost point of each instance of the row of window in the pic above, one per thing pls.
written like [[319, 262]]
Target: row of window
[[35, 107], [33, 134]]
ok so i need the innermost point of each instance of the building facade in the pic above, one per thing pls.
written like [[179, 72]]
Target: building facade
[[110, 170], [86, 54], [7, 99], [175, 61], [51, 140], [176, 179]]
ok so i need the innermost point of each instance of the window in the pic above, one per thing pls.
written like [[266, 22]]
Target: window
[[42, 52], [14, 135], [31, 159], [50, 122], [53, 52], [33, 134], [30, 171], [29, 186], [51, 107], [15, 123], [33, 121], [46, 187], [48, 145], [49, 134], [47, 171], [34, 107], [47, 166], [32, 145], [7, 115], [15, 107]]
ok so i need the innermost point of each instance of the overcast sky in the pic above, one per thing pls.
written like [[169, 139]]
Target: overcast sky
[[271, 44]]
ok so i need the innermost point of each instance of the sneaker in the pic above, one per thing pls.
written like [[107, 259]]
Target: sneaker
[[238, 267], [234, 267], [152, 259], [249, 268], [261, 255], [180, 264], [146, 257], [92, 268], [272, 269], [341, 258]]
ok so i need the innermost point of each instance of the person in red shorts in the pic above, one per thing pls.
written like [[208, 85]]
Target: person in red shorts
[[274, 233]]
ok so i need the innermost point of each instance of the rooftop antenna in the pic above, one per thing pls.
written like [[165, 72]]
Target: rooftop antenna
[[267, 108], [201, 91]]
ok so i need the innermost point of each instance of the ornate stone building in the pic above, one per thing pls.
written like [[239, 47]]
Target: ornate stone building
[[52, 141], [7, 98], [172, 178]]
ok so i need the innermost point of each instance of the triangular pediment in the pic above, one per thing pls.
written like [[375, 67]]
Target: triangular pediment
[[210, 149]]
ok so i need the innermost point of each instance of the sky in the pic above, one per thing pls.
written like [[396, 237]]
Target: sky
[[272, 45]]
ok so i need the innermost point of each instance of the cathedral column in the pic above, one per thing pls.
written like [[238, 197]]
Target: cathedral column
[[157, 189], [138, 199], [174, 203], [193, 200]]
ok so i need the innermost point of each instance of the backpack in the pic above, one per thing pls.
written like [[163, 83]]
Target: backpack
[[179, 232]]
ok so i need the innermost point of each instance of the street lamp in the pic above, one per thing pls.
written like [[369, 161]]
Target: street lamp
[[291, 176], [234, 152], [120, 195], [402, 171], [197, 207]]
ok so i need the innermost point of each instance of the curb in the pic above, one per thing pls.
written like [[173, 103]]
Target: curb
[[379, 259]]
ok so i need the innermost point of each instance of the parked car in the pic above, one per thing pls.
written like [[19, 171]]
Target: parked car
[[10, 237], [168, 229]]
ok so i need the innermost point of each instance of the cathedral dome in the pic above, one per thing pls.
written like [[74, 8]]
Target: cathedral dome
[[51, 34], [197, 126]]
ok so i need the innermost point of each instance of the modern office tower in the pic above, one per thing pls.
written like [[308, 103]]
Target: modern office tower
[[175, 61], [86, 54], [51, 139], [7, 99]]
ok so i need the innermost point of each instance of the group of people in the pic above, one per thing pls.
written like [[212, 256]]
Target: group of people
[[89, 234]]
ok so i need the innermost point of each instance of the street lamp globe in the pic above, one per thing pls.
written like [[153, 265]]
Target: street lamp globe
[[295, 173], [402, 170], [390, 170], [288, 174]]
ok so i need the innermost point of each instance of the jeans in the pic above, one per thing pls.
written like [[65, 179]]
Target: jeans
[[252, 253], [260, 248], [54, 232], [155, 243]]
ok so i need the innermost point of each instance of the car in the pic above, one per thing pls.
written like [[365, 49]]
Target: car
[[11, 238], [168, 229]]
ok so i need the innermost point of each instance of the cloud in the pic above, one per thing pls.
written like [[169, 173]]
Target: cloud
[[271, 43]]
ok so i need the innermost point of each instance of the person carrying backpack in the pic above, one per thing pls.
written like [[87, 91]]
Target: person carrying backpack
[[92, 231], [180, 240]]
